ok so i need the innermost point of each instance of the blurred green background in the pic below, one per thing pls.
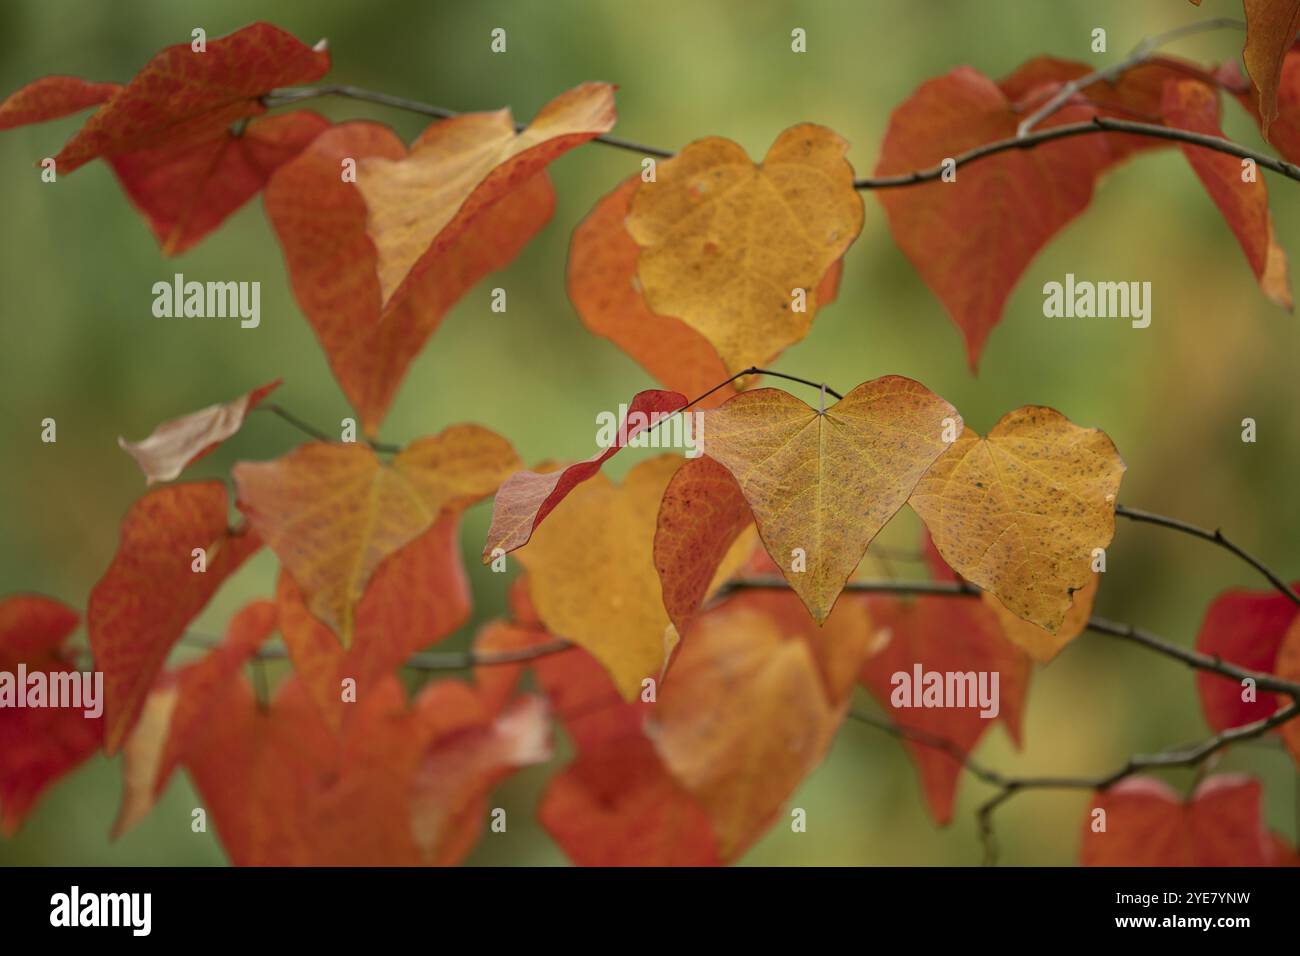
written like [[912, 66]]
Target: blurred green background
[[80, 345]]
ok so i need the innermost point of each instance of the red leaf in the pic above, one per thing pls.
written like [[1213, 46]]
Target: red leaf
[[187, 191], [1191, 105], [942, 635], [181, 97], [1147, 824], [149, 594], [527, 497], [51, 97], [38, 745], [1244, 628]]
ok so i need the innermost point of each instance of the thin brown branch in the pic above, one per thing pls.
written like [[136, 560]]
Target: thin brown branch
[[318, 434], [1140, 54], [1215, 537], [1008, 786]]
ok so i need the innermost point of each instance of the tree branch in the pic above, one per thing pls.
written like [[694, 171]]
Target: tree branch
[[1140, 54], [1025, 138], [1215, 537], [1009, 786]]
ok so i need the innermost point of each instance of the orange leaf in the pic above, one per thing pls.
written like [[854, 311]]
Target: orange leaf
[[187, 191], [177, 710], [38, 745], [821, 485], [179, 442], [615, 804], [333, 512], [1271, 27], [182, 97], [1193, 106], [1287, 667], [1147, 824], [418, 205], [320, 220], [418, 596], [141, 606], [527, 497], [725, 243], [1039, 643], [1019, 513], [702, 514]]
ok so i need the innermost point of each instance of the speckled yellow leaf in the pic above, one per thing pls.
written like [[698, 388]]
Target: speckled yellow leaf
[[822, 485], [1041, 644], [417, 205], [725, 242], [592, 577], [333, 512], [1019, 512]]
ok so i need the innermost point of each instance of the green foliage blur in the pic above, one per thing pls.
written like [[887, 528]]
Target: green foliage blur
[[80, 345]]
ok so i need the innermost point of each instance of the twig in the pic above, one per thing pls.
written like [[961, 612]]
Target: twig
[[1215, 537], [1008, 786], [1027, 140], [295, 94], [318, 434], [1140, 54]]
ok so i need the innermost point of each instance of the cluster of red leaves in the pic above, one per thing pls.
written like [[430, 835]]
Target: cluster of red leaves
[[692, 722]]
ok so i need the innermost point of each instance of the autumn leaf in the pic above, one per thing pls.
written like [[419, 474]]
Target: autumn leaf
[[615, 804], [38, 745], [592, 578], [282, 790], [1193, 106], [1287, 667], [179, 442], [970, 240], [51, 97], [333, 512], [154, 587], [1020, 512], [419, 204], [605, 290], [417, 596], [320, 220], [1148, 824], [702, 515], [1246, 628], [1038, 642], [1271, 27], [178, 709], [725, 243], [182, 97], [929, 635], [745, 714], [821, 485], [187, 191], [527, 497]]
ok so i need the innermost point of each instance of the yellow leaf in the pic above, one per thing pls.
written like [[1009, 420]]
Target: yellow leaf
[[822, 485], [333, 512], [725, 243], [592, 578], [1020, 512], [418, 204], [1041, 644]]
